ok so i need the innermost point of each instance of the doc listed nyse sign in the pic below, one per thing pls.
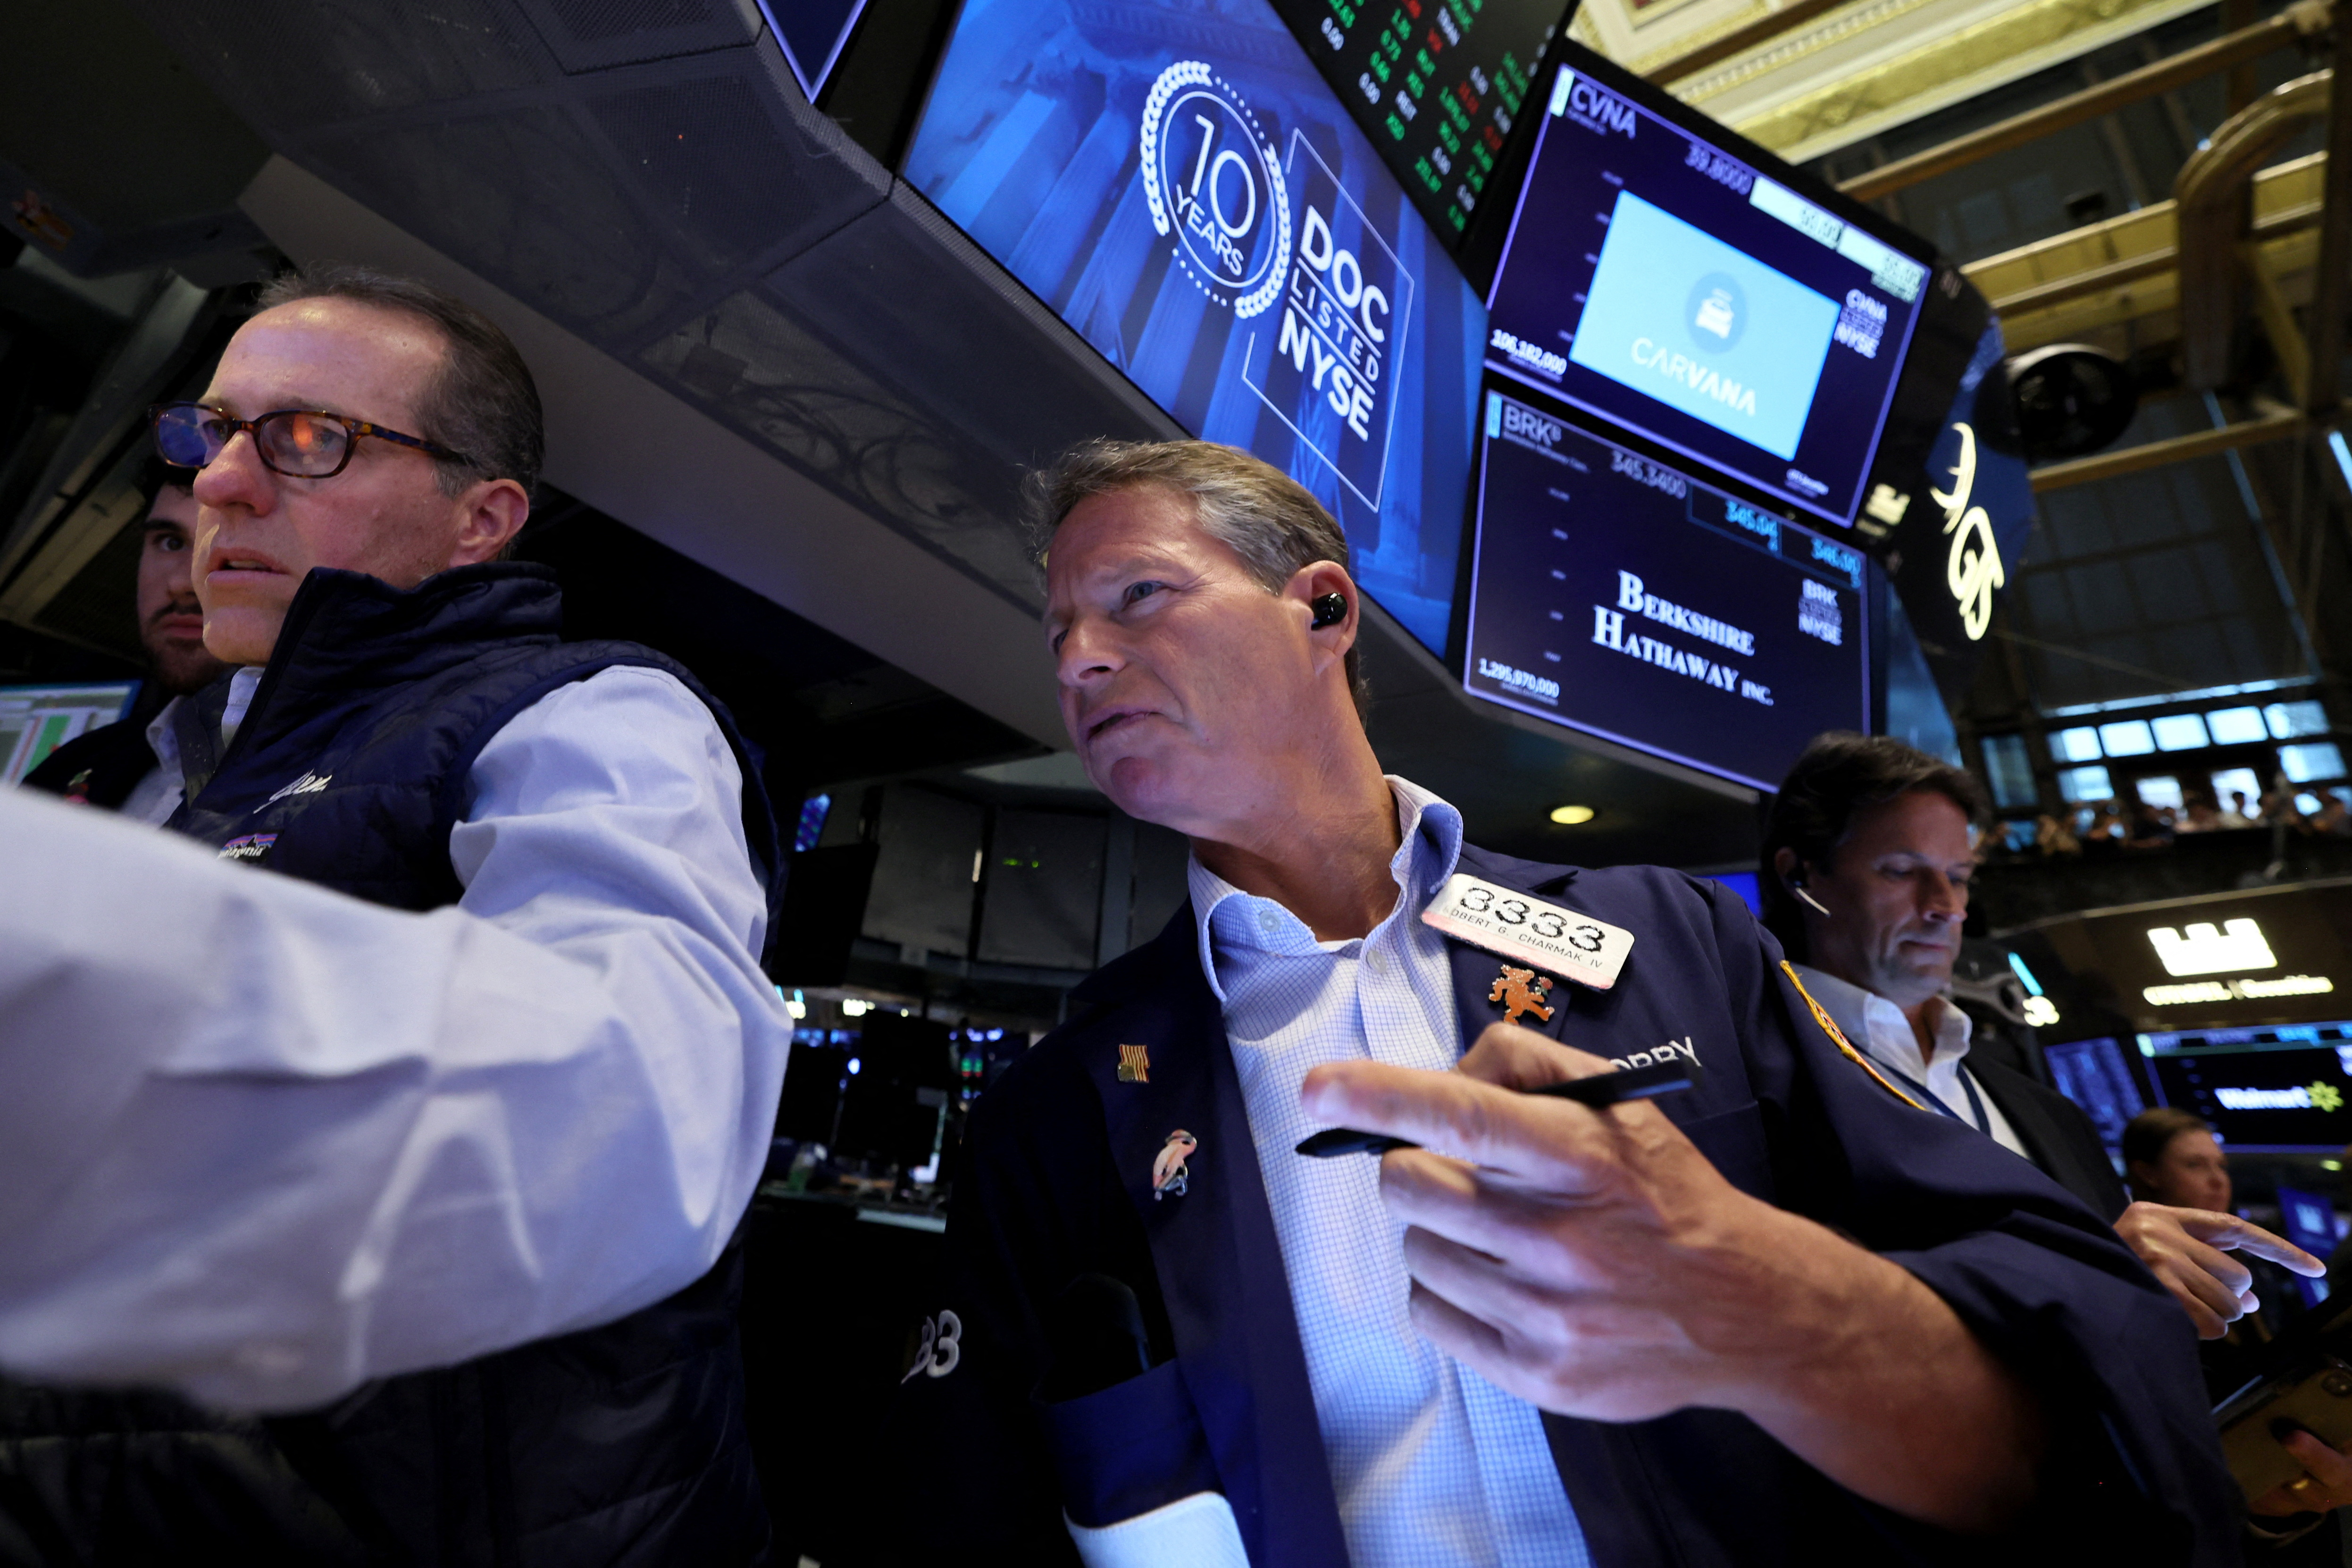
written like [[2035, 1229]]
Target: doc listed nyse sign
[[1275, 238]]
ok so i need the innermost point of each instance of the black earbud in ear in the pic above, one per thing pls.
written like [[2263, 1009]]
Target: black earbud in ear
[[1330, 610]]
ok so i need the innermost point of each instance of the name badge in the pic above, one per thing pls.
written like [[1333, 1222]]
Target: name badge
[[1544, 936]]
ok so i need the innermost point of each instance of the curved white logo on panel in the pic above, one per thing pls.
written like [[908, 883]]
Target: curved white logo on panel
[[1212, 180]]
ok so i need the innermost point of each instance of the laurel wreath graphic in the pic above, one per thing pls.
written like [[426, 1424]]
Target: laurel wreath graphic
[[1175, 79], [1182, 74]]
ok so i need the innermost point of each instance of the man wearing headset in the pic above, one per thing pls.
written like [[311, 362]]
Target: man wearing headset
[[1867, 857]]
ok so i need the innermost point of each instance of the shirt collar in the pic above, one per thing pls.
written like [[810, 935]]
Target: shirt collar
[[1226, 917], [163, 740], [241, 687], [1877, 1025]]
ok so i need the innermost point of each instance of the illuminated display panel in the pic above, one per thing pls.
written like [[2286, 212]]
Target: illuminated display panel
[[1659, 277], [1436, 84], [2285, 1090], [1619, 596], [1175, 180]]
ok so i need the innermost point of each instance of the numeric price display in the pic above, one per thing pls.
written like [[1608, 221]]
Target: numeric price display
[[1614, 594], [1436, 84]]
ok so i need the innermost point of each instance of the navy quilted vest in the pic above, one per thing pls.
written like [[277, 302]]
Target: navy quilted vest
[[621, 1444]]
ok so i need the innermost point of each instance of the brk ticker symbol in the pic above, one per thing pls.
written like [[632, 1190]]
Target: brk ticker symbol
[[1213, 182]]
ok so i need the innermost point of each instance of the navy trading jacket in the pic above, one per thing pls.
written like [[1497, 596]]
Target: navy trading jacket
[[1056, 1184]]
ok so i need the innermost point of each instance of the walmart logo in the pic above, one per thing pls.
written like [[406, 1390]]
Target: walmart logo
[[2317, 1095]]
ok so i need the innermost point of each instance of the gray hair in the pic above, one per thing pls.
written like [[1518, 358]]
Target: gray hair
[[1254, 508], [482, 401]]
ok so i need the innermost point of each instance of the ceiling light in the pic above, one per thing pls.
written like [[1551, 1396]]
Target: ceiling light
[[1571, 816]]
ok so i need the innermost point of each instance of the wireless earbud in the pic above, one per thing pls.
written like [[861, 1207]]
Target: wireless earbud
[[1797, 886], [1330, 610]]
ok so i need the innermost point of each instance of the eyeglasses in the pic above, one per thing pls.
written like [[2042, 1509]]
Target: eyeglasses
[[299, 443]]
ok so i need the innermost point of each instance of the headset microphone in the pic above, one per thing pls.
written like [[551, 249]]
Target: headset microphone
[[1797, 886], [1329, 610]]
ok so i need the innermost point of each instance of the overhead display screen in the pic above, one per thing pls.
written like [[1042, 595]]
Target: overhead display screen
[[1175, 180], [1436, 84], [2274, 1091], [1656, 278], [1613, 594]]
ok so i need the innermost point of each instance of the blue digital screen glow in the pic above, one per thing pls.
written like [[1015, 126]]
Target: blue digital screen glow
[[1655, 278], [1178, 184], [2095, 1075], [1613, 594]]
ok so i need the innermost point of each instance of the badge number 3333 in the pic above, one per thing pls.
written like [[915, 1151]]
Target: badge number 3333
[[1530, 931]]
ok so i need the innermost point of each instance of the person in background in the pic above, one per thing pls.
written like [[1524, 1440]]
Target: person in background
[[2172, 1160], [1868, 851], [2279, 807], [2107, 829], [2243, 812], [2151, 826], [2202, 816], [2334, 818], [119, 765], [2054, 837], [1868, 855]]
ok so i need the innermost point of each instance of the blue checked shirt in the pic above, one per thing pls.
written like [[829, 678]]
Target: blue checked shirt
[[1432, 1465]]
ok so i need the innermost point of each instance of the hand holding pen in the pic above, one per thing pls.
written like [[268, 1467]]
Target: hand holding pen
[[1590, 1259]]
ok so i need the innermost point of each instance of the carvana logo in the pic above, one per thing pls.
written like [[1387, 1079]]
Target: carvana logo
[[1678, 315]]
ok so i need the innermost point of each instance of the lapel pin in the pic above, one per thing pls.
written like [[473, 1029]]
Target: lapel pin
[[1521, 991], [1135, 1064], [1170, 1174]]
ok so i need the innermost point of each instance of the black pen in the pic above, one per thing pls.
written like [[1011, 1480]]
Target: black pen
[[1601, 1089]]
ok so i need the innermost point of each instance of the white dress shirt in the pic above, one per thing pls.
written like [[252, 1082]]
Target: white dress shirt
[[261, 1142], [156, 796], [1877, 1028], [1432, 1463]]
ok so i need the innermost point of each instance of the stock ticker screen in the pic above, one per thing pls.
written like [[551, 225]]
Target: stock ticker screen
[[1654, 276], [2284, 1089], [1176, 180], [1436, 84], [1618, 596]]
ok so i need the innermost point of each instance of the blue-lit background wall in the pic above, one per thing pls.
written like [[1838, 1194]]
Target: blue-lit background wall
[[1033, 143]]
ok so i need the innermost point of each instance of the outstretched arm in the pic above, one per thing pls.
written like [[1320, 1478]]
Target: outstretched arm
[[261, 1142]]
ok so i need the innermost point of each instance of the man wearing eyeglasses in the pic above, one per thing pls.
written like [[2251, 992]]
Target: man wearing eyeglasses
[[458, 1186]]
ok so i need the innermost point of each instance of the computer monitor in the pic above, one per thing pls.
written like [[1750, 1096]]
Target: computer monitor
[[2284, 1089], [1436, 85], [1187, 193], [1615, 595], [37, 720], [1673, 280], [2097, 1075]]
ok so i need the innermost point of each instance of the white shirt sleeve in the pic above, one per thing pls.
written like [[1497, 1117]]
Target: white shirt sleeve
[[261, 1142]]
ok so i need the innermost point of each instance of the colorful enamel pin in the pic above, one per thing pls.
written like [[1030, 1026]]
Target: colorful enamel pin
[[1170, 1174], [1521, 991], [1135, 1064]]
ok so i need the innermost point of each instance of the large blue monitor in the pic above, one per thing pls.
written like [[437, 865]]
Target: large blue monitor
[[1177, 182], [1616, 595], [1666, 277]]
